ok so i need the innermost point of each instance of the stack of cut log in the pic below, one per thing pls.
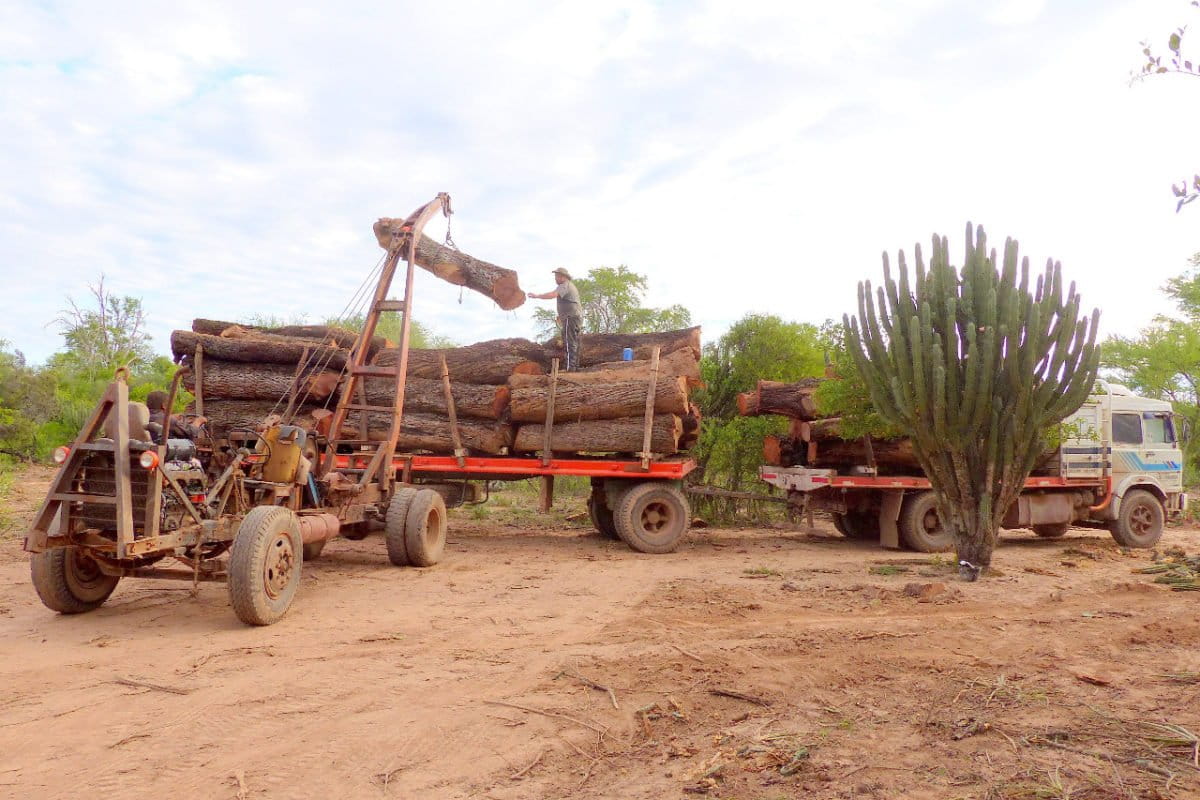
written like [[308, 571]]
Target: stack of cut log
[[813, 441], [501, 388]]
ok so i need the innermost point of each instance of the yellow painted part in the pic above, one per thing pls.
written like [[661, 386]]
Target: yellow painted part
[[284, 457]]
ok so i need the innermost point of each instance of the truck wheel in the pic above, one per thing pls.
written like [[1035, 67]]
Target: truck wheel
[[652, 517], [857, 524], [425, 529], [69, 581], [264, 565], [1052, 530], [1140, 521], [397, 521], [312, 550], [921, 528], [601, 515]]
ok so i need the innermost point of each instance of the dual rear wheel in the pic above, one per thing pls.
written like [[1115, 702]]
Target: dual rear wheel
[[650, 516]]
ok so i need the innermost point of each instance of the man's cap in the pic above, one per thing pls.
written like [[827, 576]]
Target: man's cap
[[562, 271]]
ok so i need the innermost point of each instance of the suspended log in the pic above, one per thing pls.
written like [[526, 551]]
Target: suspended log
[[267, 349], [483, 401], [598, 348], [238, 380], [329, 334], [456, 267], [681, 363], [603, 436], [774, 397], [573, 403], [225, 416], [492, 362], [432, 432]]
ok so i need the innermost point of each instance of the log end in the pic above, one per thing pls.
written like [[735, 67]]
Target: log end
[[508, 293]]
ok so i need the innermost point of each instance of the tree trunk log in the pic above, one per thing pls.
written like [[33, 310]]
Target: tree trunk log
[[680, 363], [574, 403], [458, 268], [425, 395], [247, 415], [267, 349], [491, 362], [328, 334], [892, 456], [238, 380], [432, 432], [788, 399], [603, 436], [598, 348]]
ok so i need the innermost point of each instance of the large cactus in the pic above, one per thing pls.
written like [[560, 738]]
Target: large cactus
[[975, 368]]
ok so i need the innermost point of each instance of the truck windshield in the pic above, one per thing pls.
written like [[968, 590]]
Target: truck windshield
[[1158, 428]]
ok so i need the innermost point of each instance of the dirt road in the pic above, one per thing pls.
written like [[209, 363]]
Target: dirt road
[[847, 672]]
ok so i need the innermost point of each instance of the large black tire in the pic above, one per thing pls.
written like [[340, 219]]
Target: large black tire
[[857, 524], [1140, 520], [265, 564], [425, 530], [601, 515], [652, 517], [312, 550], [396, 522], [69, 581], [921, 528], [1052, 530]]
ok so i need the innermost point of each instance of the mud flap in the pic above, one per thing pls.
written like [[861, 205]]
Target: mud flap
[[889, 512]]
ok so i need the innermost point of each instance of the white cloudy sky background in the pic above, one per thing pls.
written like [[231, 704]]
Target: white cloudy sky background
[[228, 159]]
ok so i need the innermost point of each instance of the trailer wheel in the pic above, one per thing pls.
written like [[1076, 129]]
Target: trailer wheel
[[1140, 521], [652, 517], [264, 565], [601, 515], [920, 526], [397, 521], [312, 550], [69, 581], [857, 524], [425, 529], [1052, 530]]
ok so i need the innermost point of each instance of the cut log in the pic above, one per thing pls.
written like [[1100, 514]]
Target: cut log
[[483, 401], [492, 362], [823, 429], [456, 267], [603, 436], [788, 399], [573, 403], [238, 380], [681, 363], [224, 416], [329, 334], [267, 349], [432, 432], [892, 456], [598, 348]]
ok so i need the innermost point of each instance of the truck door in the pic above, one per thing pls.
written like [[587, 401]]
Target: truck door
[[1145, 450]]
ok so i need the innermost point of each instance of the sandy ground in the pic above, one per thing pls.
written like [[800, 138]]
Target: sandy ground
[[849, 672]]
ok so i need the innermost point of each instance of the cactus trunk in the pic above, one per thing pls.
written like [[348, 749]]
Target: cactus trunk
[[975, 368]]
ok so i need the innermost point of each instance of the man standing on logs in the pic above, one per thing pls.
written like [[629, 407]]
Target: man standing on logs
[[570, 315]]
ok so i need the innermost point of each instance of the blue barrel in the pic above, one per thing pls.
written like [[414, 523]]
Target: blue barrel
[[627, 354]]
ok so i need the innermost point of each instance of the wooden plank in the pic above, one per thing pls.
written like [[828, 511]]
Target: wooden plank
[[889, 512], [452, 414], [548, 427], [649, 418], [121, 470], [546, 494], [76, 497], [198, 368]]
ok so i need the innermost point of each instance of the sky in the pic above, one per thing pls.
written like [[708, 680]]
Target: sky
[[227, 159]]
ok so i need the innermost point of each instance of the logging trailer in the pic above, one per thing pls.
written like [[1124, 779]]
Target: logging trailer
[[1123, 472], [129, 501]]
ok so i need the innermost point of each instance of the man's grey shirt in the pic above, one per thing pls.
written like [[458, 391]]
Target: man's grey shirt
[[568, 300]]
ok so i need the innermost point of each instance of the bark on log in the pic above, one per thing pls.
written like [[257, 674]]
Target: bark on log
[[458, 268], [237, 380], [774, 397], [492, 362], [329, 334], [603, 436], [267, 349], [225, 415], [425, 395], [573, 403], [681, 363], [598, 348], [432, 432]]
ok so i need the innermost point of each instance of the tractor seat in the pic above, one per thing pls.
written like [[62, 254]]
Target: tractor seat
[[139, 418]]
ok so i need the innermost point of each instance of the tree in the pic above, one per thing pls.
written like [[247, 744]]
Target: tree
[[110, 334], [27, 404], [758, 346], [1180, 64], [977, 371], [612, 303], [1163, 361], [846, 395]]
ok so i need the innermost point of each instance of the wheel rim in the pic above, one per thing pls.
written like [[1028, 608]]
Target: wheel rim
[[1141, 520], [656, 517], [433, 528], [84, 577], [931, 523], [279, 564]]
